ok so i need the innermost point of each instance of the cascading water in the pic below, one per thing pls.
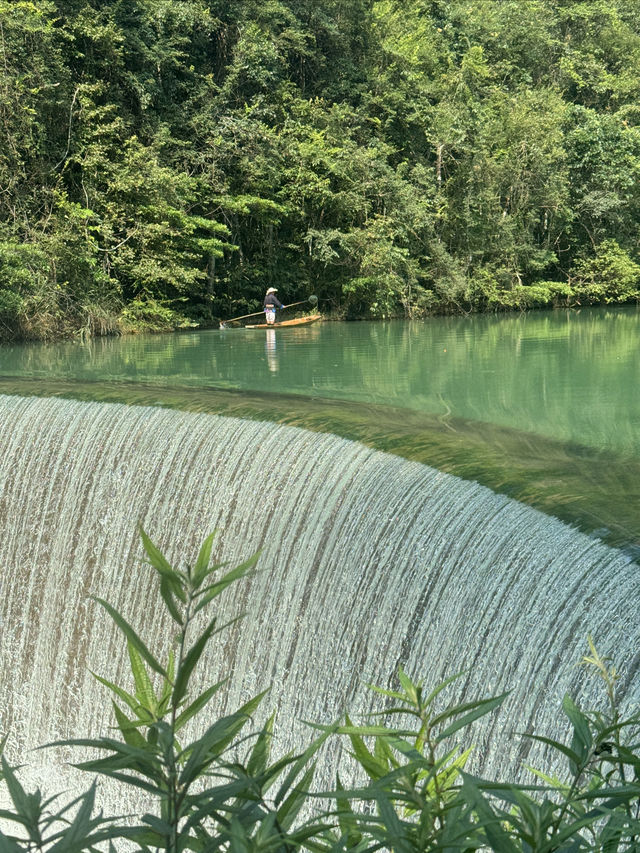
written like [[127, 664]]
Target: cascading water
[[368, 561]]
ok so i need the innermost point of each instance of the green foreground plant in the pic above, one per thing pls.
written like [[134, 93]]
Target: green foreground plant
[[219, 790], [424, 799]]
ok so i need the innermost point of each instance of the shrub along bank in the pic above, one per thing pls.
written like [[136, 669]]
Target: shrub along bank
[[223, 791]]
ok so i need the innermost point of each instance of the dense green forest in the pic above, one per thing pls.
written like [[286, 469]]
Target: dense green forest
[[162, 162]]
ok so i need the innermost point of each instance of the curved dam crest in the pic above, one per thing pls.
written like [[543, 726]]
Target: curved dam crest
[[368, 561]]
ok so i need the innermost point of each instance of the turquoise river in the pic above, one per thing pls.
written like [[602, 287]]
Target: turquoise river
[[544, 407]]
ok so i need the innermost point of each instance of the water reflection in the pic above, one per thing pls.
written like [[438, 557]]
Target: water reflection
[[566, 375], [270, 349]]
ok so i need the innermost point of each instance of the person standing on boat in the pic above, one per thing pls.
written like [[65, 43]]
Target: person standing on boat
[[271, 302]]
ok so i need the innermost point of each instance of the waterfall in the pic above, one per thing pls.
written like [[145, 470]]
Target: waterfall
[[368, 561]]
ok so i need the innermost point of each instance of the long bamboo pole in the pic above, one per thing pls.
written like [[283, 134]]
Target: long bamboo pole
[[312, 299]]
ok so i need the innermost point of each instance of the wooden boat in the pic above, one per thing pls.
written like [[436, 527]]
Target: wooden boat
[[286, 324]]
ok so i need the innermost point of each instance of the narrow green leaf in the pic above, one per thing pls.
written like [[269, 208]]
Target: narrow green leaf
[[128, 729], [95, 839], [135, 781], [582, 740], [123, 755], [572, 829], [167, 595], [159, 826], [490, 822], [613, 796], [291, 806], [385, 745], [365, 731], [74, 837], [300, 762], [197, 705], [273, 772], [347, 820], [131, 635], [8, 845], [144, 764], [374, 767], [212, 591], [479, 709], [167, 685], [441, 686], [571, 755], [161, 564], [201, 568], [395, 831], [259, 756], [23, 804], [144, 689], [214, 741], [127, 698], [190, 661], [408, 686], [391, 693], [210, 747]]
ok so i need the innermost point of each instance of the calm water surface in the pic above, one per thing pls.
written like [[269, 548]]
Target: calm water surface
[[544, 407], [572, 376]]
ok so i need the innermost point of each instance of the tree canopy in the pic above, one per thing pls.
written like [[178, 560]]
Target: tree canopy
[[163, 162]]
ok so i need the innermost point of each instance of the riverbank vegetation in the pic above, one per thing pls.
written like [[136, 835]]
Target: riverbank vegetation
[[162, 162], [213, 786]]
